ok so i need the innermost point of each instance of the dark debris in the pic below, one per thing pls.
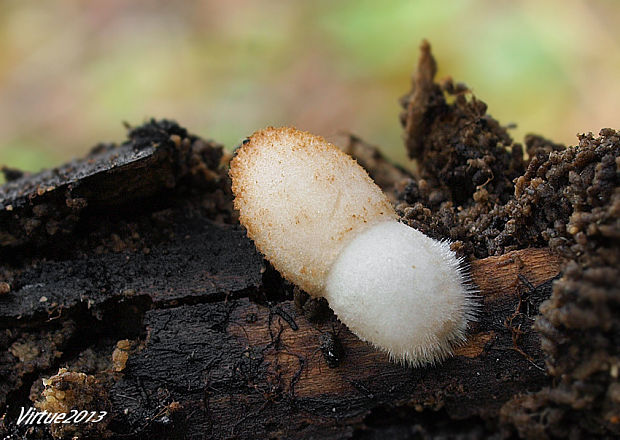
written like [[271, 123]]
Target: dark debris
[[477, 189]]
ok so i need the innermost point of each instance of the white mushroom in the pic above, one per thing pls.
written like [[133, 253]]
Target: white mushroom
[[324, 224]]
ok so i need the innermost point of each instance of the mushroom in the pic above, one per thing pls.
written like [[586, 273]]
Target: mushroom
[[322, 222]]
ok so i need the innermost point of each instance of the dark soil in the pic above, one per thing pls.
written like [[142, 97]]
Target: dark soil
[[476, 188]]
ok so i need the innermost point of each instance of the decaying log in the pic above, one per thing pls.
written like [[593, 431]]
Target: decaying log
[[204, 261], [216, 346], [257, 370]]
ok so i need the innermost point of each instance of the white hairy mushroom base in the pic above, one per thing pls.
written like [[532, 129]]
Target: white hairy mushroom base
[[402, 291], [326, 226]]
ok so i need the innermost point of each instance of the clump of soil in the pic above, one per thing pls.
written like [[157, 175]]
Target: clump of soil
[[70, 392], [476, 188], [158, 163], [575, 192]]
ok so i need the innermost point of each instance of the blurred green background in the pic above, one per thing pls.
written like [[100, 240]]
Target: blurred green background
[[71, 71]]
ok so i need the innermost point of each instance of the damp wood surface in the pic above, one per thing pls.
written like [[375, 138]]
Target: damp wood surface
[[251, 369]]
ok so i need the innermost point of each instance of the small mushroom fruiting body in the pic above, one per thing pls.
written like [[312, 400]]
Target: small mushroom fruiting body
[[322, 222]]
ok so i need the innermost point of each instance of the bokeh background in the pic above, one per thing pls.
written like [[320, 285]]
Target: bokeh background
[[72, 71]]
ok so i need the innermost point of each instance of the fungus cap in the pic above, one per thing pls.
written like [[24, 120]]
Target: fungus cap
[[301, 200]]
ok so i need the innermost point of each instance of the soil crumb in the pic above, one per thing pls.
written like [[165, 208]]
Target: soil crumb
[[160, 162], [70, 392]]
